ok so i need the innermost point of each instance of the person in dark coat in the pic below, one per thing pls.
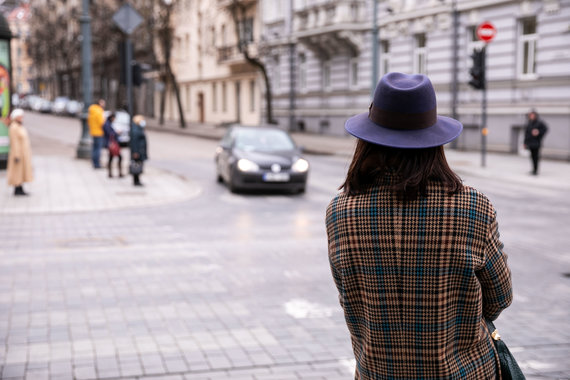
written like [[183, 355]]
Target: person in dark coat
[[138, 146], [534, 133], [415, 254], [110, 138]]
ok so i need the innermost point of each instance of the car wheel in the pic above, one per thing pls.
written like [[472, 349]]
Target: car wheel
[[219, 179], [232, 186]]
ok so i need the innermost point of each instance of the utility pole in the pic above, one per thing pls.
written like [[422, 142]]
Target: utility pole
[[84, 147], [374, 47]]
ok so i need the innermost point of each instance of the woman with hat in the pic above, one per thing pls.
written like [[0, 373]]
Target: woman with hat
[[414, 253], [138, 149], [20, 156]]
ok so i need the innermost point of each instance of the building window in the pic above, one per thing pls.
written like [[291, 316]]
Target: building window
[[384, 57], [326, 73], [187, 45], [224, 98], [188, 98], [246, 30], [302, 72], [213, 36], [214, 97], [275, 75], [224, 36], [353, 71], [420, 64], [527, 47], [252, 96]]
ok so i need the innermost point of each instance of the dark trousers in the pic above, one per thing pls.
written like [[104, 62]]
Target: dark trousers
[[137, 177], [96, 151], [535, 155], [120, 159]]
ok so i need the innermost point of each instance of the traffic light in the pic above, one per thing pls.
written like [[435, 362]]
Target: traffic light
[[477, 71]]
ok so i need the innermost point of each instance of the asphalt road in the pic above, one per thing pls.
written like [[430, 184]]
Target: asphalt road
[[227, 286]]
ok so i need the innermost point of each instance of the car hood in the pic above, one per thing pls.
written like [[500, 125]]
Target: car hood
[[283, 158]]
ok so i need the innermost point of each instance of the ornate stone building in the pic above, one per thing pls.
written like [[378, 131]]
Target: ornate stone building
[[217, 84], [328, 76]]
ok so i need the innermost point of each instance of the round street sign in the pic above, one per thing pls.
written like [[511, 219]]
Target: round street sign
[[486, 31]]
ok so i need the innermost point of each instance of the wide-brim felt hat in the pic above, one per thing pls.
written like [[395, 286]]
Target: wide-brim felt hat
[[403, 114]]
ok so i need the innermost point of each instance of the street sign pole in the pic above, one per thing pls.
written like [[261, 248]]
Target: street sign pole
[[128, 19], [486, 32], [129, 74], [484, 130]]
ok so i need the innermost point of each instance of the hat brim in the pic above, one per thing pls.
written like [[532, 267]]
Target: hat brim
[[443, 131]]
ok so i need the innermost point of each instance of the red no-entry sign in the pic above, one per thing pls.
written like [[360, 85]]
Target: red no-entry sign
[[486, 31]]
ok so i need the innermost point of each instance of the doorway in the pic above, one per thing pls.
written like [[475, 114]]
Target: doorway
[[201, 106]]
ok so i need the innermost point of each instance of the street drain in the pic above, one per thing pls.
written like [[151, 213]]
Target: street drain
[[129, 193], [90, 243]]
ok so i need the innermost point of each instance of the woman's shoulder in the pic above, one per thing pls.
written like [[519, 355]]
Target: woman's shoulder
[[473, 198]]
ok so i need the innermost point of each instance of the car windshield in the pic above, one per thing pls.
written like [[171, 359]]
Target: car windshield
[[263, 140]]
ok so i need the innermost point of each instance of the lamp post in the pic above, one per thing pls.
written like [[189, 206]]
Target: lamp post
[[84, 147], [454, 59]]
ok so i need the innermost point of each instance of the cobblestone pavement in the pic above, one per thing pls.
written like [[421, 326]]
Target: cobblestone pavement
[[223, 286]]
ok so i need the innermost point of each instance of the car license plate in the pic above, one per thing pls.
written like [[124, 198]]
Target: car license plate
[[276, 177]]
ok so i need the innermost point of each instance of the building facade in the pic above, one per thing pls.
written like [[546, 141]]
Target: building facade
[[319, 56], [216, 83]]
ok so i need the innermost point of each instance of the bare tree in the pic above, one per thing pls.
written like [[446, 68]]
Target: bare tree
[[165, 35], [244, 32]]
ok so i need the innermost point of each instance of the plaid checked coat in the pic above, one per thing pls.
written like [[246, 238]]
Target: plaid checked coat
[[415, 280]]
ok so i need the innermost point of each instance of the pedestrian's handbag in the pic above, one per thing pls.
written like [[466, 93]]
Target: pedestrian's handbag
[[114, 148], [510, 370], [136, 167]]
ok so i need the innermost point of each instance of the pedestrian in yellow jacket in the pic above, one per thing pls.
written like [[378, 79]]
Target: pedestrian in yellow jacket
[[95, 120], [20, 156]]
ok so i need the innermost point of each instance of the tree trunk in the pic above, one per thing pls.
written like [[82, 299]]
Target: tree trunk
[[178, 100], [238, 12]]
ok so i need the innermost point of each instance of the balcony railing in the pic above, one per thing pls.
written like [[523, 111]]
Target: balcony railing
[[229, 53]]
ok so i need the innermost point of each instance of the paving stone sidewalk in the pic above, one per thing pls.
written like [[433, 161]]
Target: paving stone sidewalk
[[63, 184]]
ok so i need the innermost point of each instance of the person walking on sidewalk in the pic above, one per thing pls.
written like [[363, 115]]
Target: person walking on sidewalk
[[20, 156], [415, 254], [534, 133], [95, 120], [111, 142], [138, 146]]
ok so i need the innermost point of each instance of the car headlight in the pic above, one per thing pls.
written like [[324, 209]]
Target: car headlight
[[245, 165], [301, 166]]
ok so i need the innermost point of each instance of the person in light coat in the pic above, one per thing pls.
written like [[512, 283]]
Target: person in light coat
[[20, 156]]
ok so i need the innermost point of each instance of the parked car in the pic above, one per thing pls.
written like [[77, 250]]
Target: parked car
[[30, 101], [41, 105], [60, 105], [260, 158], [121, 125], [74, 108]]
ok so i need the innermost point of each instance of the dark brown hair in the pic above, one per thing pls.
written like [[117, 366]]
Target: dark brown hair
[[410, 170]]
